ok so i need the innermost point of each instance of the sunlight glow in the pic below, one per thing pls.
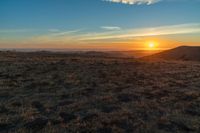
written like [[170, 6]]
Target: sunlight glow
[[152, 45]]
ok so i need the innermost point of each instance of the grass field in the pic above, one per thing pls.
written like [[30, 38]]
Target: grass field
[[51, 92]]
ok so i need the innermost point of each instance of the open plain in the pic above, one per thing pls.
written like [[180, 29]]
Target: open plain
[[54, 92]]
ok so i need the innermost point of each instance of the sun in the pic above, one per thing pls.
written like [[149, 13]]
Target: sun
[[151, 45]]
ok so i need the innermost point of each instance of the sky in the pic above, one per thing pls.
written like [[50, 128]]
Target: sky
[[99, 24]]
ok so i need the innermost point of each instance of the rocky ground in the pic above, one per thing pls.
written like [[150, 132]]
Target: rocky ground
[[49, 92]]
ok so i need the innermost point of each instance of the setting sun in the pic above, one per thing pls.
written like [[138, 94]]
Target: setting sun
[[151, 45]]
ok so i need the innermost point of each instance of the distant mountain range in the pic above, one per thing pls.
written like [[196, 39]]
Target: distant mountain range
[[186, 53]]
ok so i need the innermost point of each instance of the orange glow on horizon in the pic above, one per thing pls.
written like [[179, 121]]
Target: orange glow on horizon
[[146, 43], [152, 45]]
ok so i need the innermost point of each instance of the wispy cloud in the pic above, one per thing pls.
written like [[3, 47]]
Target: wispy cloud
[[79, 36], [56, 37], [110, 28], [142, 32], [132, 2], [63, 33]]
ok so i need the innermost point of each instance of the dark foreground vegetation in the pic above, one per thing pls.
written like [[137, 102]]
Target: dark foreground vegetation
[[58, 93]]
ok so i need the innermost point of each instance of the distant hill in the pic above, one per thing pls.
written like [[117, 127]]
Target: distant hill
[[122, 54], [186, 53], [139, 53], [104, 54]]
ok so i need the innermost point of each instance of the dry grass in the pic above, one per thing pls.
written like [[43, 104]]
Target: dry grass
[[45, 92]]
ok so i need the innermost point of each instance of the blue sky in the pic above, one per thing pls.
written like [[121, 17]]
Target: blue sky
[[86, 23]]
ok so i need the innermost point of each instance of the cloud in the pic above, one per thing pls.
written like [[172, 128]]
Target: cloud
[[54, 38], [65, 33], [110, 28], [144, 32], [132, 2], [79, 36]]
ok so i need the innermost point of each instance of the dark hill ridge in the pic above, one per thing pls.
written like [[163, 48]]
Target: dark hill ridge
[[186, 53]]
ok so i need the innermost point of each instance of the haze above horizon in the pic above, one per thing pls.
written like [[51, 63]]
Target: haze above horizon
[[99, 24]]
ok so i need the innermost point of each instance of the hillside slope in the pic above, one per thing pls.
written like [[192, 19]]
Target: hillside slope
[[189, 53]]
